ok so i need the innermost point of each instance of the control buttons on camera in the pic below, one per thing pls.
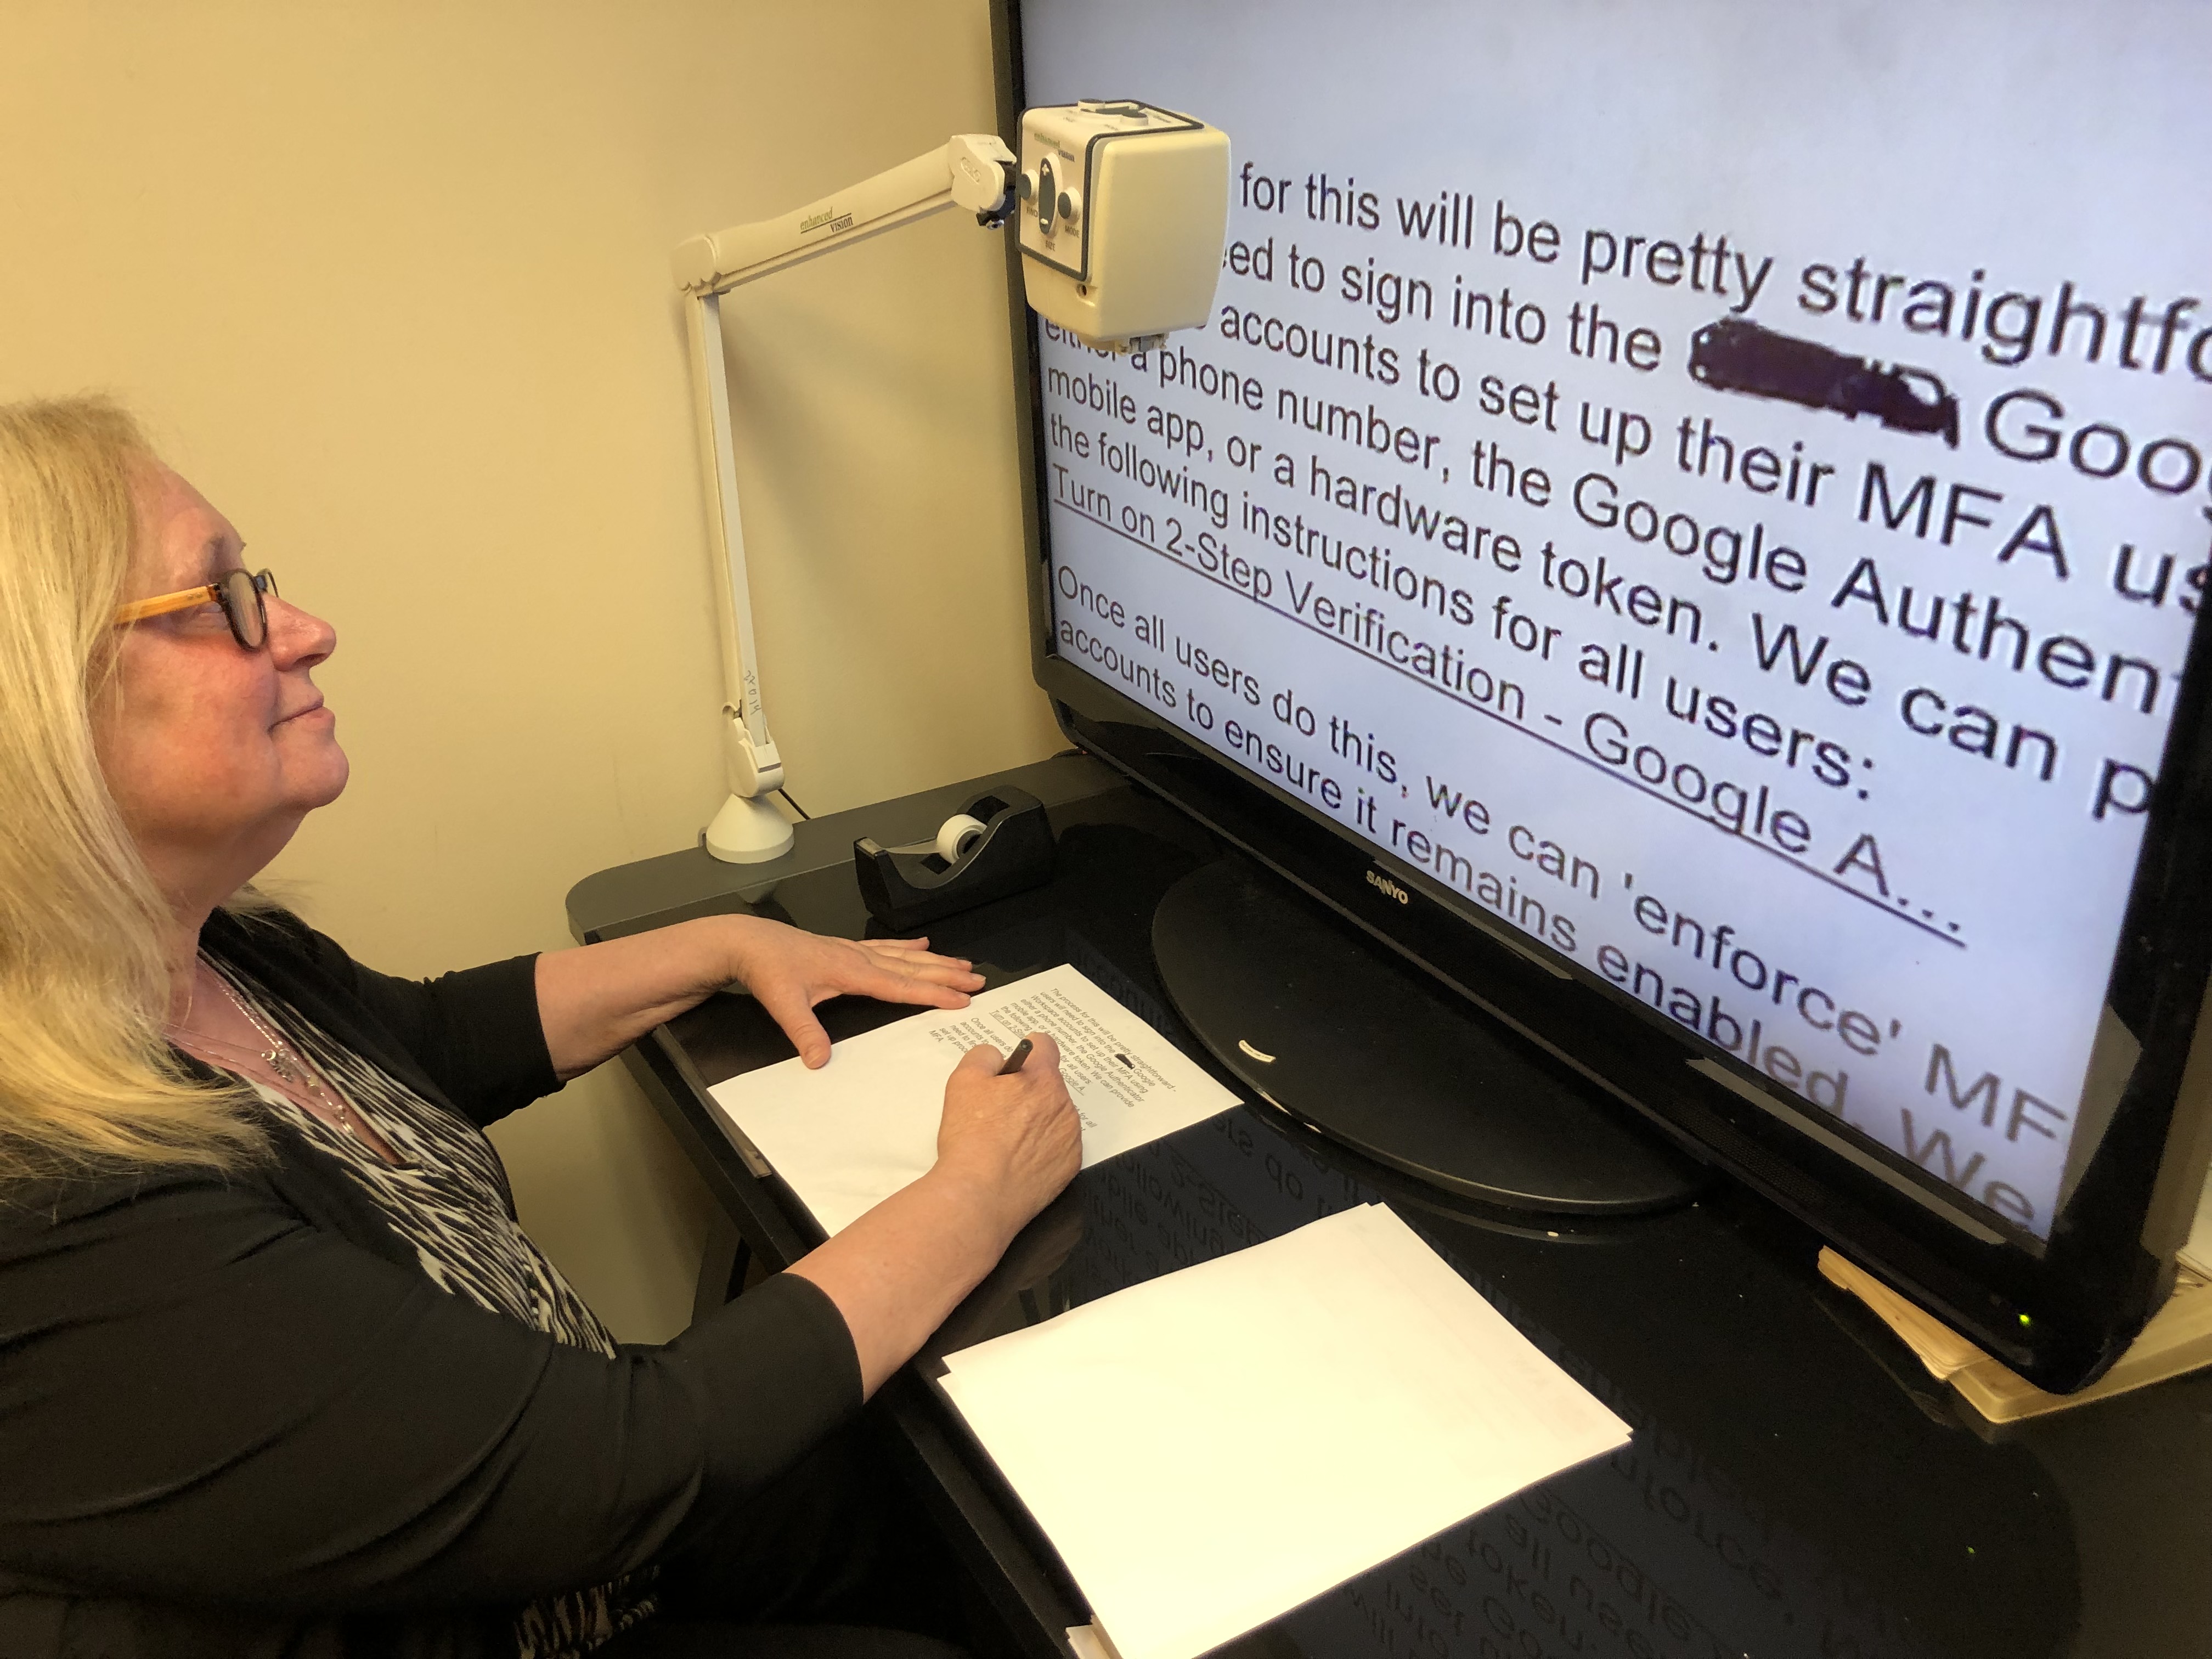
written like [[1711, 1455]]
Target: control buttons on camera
[[1048, 196]]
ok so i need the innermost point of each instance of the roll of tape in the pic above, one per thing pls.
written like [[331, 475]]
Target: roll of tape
[[956, 835]]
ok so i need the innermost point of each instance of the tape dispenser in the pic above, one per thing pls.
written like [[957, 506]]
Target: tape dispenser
[[999, 843]]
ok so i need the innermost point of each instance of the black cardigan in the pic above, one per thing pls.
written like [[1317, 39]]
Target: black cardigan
[[236, 1418]]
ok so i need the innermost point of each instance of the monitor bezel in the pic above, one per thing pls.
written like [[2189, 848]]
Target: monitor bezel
[[2058, 1311]]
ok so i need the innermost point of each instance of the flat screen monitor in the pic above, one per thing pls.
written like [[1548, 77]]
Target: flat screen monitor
[[1689, 522]]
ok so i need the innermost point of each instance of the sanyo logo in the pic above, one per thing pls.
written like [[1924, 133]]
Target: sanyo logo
[[1387, 888]]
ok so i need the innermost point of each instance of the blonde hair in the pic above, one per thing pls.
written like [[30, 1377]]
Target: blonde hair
[[88, 1080]]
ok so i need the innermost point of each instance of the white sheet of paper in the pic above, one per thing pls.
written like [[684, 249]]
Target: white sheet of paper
[[848, 1136], [2197, 1253], [1209, 1450]]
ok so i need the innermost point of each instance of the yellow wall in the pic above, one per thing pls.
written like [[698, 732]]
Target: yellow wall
[[389, 282]]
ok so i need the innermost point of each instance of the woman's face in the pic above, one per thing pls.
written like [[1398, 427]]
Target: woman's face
[[214, 753]]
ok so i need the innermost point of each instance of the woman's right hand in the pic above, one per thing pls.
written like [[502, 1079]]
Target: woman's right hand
[[1005, 1147], [1015, 1140]]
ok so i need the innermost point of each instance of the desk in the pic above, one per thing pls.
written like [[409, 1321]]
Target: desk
[[1796, 1485]]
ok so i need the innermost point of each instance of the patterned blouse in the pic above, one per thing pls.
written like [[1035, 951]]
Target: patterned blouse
[[449, 1199]]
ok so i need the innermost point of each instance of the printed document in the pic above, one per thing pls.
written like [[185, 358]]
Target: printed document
[[848, 1136], [1210, 1449]]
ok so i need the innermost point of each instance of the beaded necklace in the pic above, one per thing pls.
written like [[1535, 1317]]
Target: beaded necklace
[[286, 1068]]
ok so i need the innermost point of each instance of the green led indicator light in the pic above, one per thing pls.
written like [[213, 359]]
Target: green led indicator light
[[2025, 1320]]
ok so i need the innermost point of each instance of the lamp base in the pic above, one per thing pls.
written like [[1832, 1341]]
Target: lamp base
[[748, 830]]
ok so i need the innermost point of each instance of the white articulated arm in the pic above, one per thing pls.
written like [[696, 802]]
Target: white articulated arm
[[974, 171], [754, 766]]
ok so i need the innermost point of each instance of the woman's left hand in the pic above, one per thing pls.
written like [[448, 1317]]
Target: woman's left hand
[[789, 972]]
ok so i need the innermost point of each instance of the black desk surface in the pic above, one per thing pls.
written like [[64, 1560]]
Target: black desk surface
[[1798, 1485]]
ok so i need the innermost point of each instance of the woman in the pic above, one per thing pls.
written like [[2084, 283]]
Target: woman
[[279, 1374]]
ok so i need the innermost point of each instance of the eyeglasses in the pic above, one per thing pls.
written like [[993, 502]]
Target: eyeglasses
[[237, 592]]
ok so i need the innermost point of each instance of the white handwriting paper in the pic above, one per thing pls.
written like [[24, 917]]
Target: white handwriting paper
[[1212, 1447], [848, 1136]]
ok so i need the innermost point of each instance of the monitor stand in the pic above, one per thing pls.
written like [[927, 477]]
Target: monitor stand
[[1330, 1027]]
